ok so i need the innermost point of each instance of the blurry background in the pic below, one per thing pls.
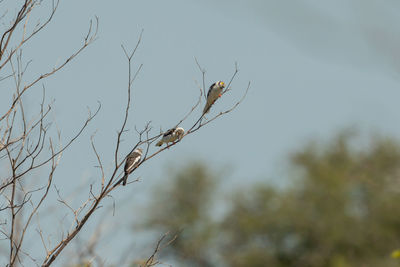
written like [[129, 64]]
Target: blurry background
[[303, 173]]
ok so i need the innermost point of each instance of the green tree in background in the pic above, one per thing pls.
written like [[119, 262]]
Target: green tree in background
[[340, 208], [183, 208]]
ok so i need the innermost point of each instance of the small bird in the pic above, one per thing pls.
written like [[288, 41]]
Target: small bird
[[213, 94], [132, 161], [171, 136]]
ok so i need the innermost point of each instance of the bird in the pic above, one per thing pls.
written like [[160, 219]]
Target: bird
[[171, 136], [213, 94], [132, 161]]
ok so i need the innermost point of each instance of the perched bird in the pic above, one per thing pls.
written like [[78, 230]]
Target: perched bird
[[171, 136], [132, 161], [213, 94]]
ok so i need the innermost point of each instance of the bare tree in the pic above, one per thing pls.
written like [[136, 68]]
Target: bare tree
[[27, 146], [24, 140]]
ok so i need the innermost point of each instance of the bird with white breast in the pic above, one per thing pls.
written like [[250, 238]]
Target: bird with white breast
[[213, 94], [171, 136]]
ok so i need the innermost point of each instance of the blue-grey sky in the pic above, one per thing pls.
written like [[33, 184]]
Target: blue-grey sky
[[314, 68]]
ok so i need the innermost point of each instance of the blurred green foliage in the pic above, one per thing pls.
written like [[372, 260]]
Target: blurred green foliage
[[341, 208], [183, 208]]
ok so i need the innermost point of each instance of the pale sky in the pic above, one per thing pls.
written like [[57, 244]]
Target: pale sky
[[314, 69]]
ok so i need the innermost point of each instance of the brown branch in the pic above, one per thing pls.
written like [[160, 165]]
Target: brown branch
[[150, 261], [223, 112], [144, 139], [6, 37], [89, 38], [98, 160], [203, 72], [50, 179], [191, 110], [34, 32], [130, 81], [32, 166]]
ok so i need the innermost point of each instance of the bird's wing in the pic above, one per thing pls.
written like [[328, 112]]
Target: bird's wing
[[169, 132], [132, 161], [210, 89]]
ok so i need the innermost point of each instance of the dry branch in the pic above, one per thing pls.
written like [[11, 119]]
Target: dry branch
[[24, 140]]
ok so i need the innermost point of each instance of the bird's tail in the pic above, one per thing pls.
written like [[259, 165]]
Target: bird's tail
[[160, 143], [125, 178], [206, 108]]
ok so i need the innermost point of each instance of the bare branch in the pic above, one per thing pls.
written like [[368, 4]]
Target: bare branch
[[151, 260], [203, 72], [24, 139], [87, 41], [98, 160], [130, 81]]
